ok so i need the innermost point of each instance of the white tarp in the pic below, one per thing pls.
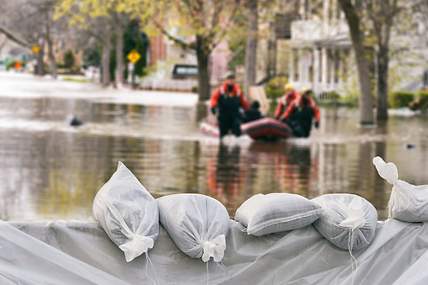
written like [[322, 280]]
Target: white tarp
[[81, 253]]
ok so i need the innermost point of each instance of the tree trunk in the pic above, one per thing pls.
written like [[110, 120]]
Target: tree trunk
[[271, 53], [120, 66], [357, 37], [51, 57], [105, 62], [40, 69], [251, 48], [366, 99], [382, 23], [382, 83], [202, 55]]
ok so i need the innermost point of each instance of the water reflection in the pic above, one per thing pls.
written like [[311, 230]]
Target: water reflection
[[54, 172], [226, 176]]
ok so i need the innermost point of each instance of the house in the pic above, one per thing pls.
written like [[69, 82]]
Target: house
[[320, 52]]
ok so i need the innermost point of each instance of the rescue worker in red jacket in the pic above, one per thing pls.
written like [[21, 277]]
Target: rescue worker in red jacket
[[289, 96], [226, 103], [301, 113]]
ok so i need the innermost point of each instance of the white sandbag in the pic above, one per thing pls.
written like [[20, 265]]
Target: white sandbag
[[348, 221], [197, 224], [407, 203], [276, 212], [128, 213]]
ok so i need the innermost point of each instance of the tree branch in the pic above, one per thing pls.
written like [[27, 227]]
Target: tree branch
[[176, 40], [13, 38], [226, 26]]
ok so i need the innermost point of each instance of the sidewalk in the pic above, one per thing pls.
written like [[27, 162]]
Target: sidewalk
[[17, 85]]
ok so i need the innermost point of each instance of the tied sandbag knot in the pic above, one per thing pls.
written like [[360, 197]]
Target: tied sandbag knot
[[387, 171], [214, 248], [353, 221], [354, 216], [137, 245], [402, 200]]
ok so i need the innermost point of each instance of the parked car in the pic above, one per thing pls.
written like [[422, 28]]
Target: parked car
[[184, 71]]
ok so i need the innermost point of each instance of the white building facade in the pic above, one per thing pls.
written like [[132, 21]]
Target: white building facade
[[321, 54]]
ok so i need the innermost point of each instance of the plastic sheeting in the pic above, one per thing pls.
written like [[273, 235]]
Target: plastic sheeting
[[81, 253]]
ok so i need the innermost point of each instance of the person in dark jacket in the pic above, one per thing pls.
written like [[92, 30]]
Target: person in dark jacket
[[253, 114], [300, 115], [226, 103], [74, 121]]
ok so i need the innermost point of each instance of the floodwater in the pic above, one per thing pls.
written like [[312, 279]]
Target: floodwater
[[52, 171]]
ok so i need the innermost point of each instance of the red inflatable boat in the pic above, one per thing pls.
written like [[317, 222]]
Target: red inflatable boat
[[266, 128]]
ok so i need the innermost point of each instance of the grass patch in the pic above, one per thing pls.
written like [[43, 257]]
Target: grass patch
[[76, 79]]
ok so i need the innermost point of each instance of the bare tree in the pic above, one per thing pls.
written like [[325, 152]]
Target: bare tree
[[9, 35], [29, 22], [47, 9], [371, 23], [102, 31], [105, 21], [251, 45], [356, 31], [121, 21], [3, 41], [208, 21], [382, 14], [105, 59]]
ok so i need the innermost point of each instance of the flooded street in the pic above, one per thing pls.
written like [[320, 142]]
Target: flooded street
[[52, 171]]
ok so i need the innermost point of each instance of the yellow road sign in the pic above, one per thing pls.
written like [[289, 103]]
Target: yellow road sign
[[134, 56], [35, 49]]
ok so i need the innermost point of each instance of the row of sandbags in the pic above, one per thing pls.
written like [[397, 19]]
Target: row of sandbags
[[198, 224]]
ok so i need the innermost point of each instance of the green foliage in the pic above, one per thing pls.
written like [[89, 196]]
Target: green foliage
[[423, 99], [401, 99], [238, 53], [69, 59], [134, 39], [332, 95], [420, 102], [79, 11], [237, 39], [112, 67], [76, 79], [350, 100], [329, 98], [10, 64], [335, 99], [92, 57], [275, 87], [423, 96], [351, 93]]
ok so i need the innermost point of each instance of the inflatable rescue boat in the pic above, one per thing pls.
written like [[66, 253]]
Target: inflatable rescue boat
[[265, 128]]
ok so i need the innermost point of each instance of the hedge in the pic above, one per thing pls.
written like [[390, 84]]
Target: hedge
[[401, 99], [420, 101], [275, 87]]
